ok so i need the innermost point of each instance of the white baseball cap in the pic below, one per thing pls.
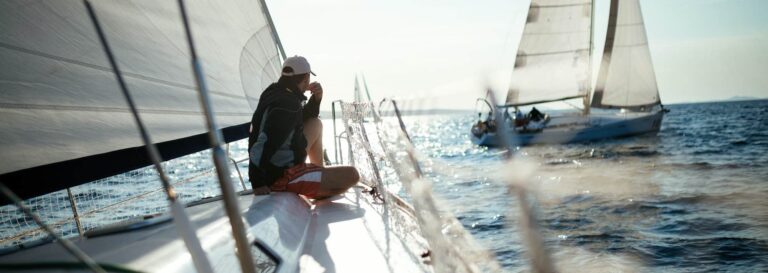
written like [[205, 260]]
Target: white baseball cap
[[298, 64]]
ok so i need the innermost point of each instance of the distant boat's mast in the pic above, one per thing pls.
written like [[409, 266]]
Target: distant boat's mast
[[367, 93], [587, 97], [610, 35], [358, 98]]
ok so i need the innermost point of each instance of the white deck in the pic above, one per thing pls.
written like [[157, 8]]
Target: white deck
[[344, 234]]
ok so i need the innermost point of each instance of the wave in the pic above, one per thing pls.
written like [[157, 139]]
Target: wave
[[709, 166], [717, 252], [567, 223], [698, 226]]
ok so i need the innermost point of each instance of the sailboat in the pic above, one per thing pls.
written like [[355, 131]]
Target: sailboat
[[553, 64], [80, 79]]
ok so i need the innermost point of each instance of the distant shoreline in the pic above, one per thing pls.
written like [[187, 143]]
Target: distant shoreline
[[733, 99], [425, 112]]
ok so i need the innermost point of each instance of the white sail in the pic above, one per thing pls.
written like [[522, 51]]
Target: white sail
[[626, 78], [59, 100], [553, 57]]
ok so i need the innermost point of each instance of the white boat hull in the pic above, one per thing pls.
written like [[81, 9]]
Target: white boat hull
[[342, 234], [573, 129]]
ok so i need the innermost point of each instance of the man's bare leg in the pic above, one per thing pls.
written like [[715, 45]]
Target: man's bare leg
[[313, 131], [336, 180]]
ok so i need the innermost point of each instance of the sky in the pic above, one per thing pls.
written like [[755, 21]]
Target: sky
[[431, 54]]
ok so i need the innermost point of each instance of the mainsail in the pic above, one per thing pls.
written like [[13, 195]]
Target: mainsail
[[63, 120], [553, 57], [626, 78]]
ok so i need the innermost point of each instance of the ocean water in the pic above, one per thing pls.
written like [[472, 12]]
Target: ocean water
[[693, 198]]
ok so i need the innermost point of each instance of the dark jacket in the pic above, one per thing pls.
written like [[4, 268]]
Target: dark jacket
[[277, 141]]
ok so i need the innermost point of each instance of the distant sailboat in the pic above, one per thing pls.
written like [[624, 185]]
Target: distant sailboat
[[358, 93], [554, 64]]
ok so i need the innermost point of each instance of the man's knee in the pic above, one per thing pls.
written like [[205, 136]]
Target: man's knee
[[354, 176]]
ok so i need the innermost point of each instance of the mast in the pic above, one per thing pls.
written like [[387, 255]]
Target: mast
[[357, 97], [610, 35], [272, 28], [367, 93], [587, 96]]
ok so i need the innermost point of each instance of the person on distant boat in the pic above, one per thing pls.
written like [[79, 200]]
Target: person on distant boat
[[285, 131], [520, 119], [536, 120], [535, 115], [483, 127]]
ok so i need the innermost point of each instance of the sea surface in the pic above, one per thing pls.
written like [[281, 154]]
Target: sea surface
[[693, 198]]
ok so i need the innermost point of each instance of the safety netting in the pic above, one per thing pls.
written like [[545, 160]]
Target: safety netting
[[107, 201], [381, 150]]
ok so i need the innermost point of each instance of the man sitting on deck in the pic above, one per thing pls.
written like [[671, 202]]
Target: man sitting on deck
[[284, 134]]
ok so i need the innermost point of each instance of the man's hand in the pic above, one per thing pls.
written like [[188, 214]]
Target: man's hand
[[263, 190], [316, 89]]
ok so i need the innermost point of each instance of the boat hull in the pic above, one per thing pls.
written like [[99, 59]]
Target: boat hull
[[340, 234], [574, 129]]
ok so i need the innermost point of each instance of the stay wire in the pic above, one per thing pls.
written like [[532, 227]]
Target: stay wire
[[181, 220], [540, 259], [242, 244]]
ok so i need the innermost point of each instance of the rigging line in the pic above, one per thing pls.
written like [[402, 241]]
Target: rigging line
[[571, 105], [523, 54], [273, 28], [180, 218], [69, 246], [561, 5], [553, 33], [590, 88], [242, 244], [629, 78]]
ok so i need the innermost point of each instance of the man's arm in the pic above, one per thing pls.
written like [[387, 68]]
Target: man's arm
[[312, 108]]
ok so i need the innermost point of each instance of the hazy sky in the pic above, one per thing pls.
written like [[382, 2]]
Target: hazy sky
[[442, 54]]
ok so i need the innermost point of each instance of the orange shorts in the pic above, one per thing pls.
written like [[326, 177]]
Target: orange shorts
[[303, 179]]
